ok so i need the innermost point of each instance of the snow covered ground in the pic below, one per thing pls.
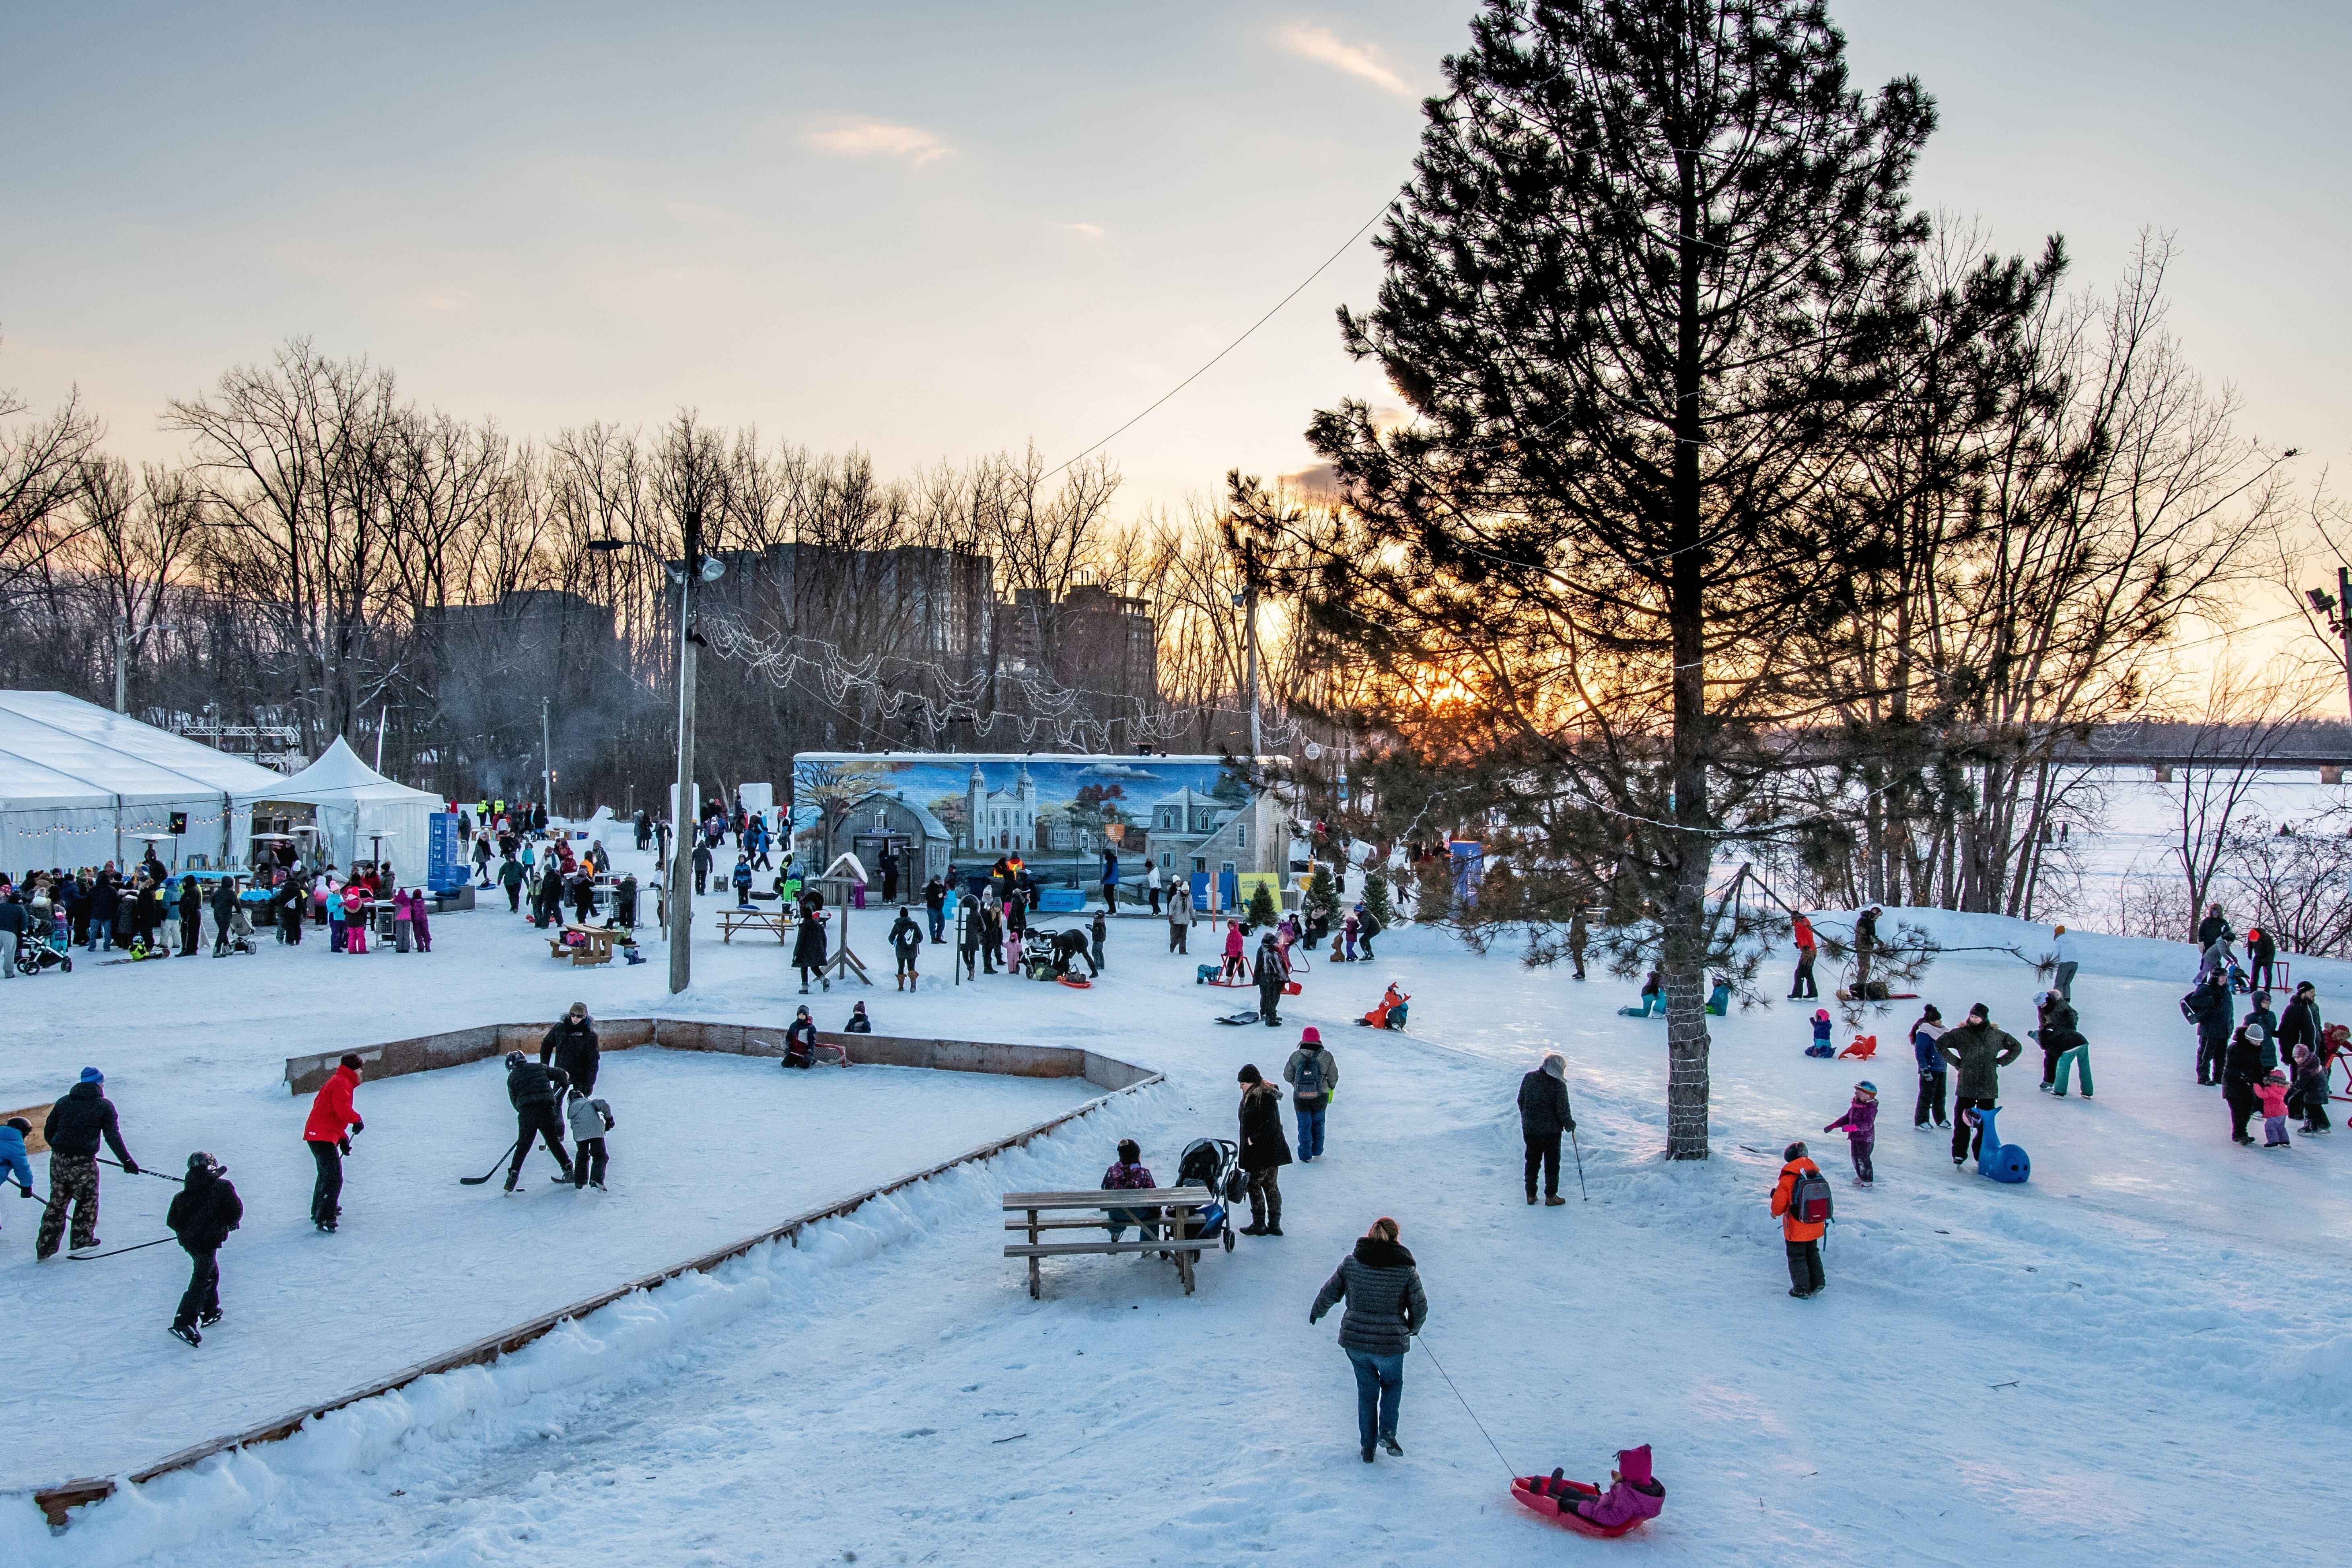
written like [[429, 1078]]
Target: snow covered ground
[[2144, 1355]]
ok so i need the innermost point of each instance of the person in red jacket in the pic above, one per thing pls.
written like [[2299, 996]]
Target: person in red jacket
[[1802, 984], [328, 1133], [1803, 1237]]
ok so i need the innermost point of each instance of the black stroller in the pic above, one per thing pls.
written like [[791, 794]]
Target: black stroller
[[1215, 1163]]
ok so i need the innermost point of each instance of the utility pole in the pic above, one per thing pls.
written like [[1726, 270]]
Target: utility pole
[[681, 869], [547, 761], [122, 665]]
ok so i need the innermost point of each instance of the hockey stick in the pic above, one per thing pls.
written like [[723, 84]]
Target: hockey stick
[[116, 1252], [485, 1175], [1579, 1163], [142, 1171]]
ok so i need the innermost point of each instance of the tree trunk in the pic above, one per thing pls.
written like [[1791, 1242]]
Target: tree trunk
[[1681, 965]]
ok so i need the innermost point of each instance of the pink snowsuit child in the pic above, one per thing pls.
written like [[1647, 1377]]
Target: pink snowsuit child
[[1348, 936], [1633, 1495], [404, 920], [355, 918], [2272, 1092], [1861, 1124], [418, 918], [1236, 968]]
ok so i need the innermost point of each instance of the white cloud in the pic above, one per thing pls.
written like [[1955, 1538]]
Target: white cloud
[[1087, 231], [872, 138], [1325, 48]]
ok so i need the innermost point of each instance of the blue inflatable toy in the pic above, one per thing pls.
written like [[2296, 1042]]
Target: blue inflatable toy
[[2001, 1162]]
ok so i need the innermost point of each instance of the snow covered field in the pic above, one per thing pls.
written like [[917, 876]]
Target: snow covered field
[[2144, 1355]]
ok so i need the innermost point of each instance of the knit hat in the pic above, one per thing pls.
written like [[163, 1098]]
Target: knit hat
[[2278, 1075], [1556, 1065], [1930, 1014], [1793, 1151], [1868, 1087], [1310, 1036], [1634, 1464], [92, 1074], [1980, 1011], [1249, 1074]]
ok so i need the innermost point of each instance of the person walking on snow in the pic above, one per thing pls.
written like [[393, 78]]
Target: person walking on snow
[[1801, 985], [1098, 933], [1236, 966], [2243, 1069], [72, 1130], [1580, 937], [1544, 1115], [225, 906], [808, 952], [1179, 915], [2211, 1009], [589, 1120], [2309, 1096], [1861, 1124], [907, 944], [1313, 1074], [1271, 975], [203, 1211], [536, 1093], [935, 904], [1932, 1075], [1386, 1307], [1264, 1150], [2061, 948], [511, 879], [328, 1135], [1980, 1048], [2261, 958], [570, 1045], [1802, 1236]]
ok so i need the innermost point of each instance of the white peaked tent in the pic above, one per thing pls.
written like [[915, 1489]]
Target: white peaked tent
[[355, 802], [80, 782]]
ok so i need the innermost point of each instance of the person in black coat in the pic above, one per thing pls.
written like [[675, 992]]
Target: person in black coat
[[1544, 1115], [225, 902], [2299, 1025], [1271, 975], [203, 1212], [2241, 1069], [191, 916], [1265, 1150], [800, 1041], [105, 899], [536, 1093], [808, 952], [2212, 1011], [992, 935], [570, 1045]]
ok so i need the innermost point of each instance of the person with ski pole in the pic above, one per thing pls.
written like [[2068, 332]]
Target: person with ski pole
[[203, 1211], [536, 1093], [73, 1127], [327, 1134], [1544, 1115]]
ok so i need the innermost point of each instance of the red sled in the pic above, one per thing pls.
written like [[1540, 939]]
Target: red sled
[[1075, 983], [1534, 1492]]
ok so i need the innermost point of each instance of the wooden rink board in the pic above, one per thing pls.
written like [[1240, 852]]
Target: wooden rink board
[[35, 1114]]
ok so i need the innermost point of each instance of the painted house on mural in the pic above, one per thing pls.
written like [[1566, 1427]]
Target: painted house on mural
[[1187, 814]]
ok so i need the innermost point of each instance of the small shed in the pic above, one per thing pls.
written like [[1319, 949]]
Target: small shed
[[876, 822]]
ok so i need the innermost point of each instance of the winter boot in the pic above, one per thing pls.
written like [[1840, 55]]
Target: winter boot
[[187, 1332], [1390, 1445], [1555, 1201]]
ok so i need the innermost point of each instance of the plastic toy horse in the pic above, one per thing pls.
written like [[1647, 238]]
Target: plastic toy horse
[[2001, 1162]]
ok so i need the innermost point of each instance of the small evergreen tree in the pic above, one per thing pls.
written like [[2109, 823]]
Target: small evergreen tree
[[1261, 909], [1322, 895], [1376, 899]]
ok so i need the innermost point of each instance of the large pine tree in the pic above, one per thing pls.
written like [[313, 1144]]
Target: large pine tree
[[1638, 299]]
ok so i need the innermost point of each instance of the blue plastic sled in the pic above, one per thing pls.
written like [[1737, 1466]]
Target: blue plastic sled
[[2001, 1162]]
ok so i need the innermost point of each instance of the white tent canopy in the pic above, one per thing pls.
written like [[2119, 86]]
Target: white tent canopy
[[355, 804], [78, 783]]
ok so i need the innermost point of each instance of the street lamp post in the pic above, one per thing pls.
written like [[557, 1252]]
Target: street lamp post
[[681, 877]]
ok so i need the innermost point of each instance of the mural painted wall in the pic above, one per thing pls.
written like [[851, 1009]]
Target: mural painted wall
[[1047, 808]]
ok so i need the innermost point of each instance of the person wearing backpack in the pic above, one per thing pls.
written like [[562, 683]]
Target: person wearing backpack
[[1800, 1200], [1313, 1074], [2210, 1009]]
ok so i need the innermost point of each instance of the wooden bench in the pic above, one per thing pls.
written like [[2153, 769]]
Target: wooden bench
[[732, 920], [1043, 1212], [595, 947]]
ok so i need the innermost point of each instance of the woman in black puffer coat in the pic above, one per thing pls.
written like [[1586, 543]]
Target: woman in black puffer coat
[[1386, 1308]]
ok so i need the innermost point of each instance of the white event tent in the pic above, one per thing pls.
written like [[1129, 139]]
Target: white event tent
[[354, 804], [80, 782]]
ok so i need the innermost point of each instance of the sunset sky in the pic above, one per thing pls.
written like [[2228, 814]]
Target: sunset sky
[[933, 231]]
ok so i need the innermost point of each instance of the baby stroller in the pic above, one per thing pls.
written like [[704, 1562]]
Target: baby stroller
[[240, 932], [1040, 959], [37, 953], [1215, 1163]]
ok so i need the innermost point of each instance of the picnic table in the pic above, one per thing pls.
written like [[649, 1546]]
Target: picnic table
[[595, 945], [1053, 1212], [732, 921]]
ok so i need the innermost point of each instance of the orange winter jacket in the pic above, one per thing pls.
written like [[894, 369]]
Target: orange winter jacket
[[1790, 1227]]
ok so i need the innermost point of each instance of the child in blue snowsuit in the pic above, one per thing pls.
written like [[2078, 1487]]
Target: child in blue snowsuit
[[14, 1166], [1820, 1046]]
